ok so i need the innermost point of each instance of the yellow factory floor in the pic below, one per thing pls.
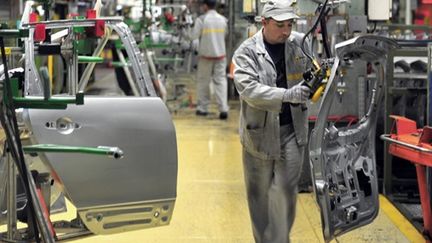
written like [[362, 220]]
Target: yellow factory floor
[[211, 201]]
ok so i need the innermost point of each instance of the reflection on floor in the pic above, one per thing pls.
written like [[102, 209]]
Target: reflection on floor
[[211, 204]]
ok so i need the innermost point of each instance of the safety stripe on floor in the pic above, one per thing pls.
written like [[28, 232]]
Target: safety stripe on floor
[[400, 221]]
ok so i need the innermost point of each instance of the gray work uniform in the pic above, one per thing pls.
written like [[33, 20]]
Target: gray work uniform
[[211, 29], [272, 154]]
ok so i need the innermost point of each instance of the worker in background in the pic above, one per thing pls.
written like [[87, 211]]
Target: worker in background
[[211, 29], [273, 119]]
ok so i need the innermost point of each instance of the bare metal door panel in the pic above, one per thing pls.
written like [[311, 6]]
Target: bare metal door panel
[[343, 157], [113, 195]]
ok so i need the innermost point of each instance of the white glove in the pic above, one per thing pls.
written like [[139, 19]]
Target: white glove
[[297, 94]]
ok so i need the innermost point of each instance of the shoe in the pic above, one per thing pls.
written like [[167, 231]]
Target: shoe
[[223, 115], [201, 113]]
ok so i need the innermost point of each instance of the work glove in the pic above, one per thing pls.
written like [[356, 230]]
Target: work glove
[[296, 94]]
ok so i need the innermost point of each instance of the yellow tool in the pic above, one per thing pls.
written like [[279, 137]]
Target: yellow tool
[[316, 79]]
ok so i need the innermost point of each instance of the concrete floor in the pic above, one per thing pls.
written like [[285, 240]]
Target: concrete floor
[[211, 203]]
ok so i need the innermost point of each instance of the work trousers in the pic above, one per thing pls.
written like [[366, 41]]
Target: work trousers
[[271, 187], [210, 70]]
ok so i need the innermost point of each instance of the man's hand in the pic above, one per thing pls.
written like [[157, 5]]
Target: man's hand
[[297, 94]]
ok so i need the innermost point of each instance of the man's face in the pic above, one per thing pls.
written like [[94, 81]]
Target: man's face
[[276, 32], [203, 8]]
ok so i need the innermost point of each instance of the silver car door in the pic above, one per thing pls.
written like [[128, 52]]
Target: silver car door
[[343, 158], [113, 195]]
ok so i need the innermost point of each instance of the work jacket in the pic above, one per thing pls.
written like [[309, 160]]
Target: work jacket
[[211, 29], [261, 100]]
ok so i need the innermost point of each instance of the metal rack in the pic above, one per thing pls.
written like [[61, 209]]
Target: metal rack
[[12, 99], [413, 49]]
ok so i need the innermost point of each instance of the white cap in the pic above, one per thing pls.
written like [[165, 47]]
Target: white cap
[[279, 10]]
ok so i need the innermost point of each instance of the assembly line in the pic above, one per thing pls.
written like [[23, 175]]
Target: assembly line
[[268, 121]]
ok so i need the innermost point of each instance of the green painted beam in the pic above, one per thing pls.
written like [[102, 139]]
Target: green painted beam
[[112, 152], [90, 59]]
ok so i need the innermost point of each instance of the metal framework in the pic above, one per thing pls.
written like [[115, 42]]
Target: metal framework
[[343, 158], [80, 130]]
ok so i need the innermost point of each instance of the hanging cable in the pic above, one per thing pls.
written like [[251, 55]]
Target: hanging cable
[[321, 14], [323, 24]]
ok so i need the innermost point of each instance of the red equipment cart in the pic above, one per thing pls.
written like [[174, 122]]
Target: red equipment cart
[[415, 145]]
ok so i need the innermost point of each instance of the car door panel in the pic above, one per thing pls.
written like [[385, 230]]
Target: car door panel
[[342, 157]]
